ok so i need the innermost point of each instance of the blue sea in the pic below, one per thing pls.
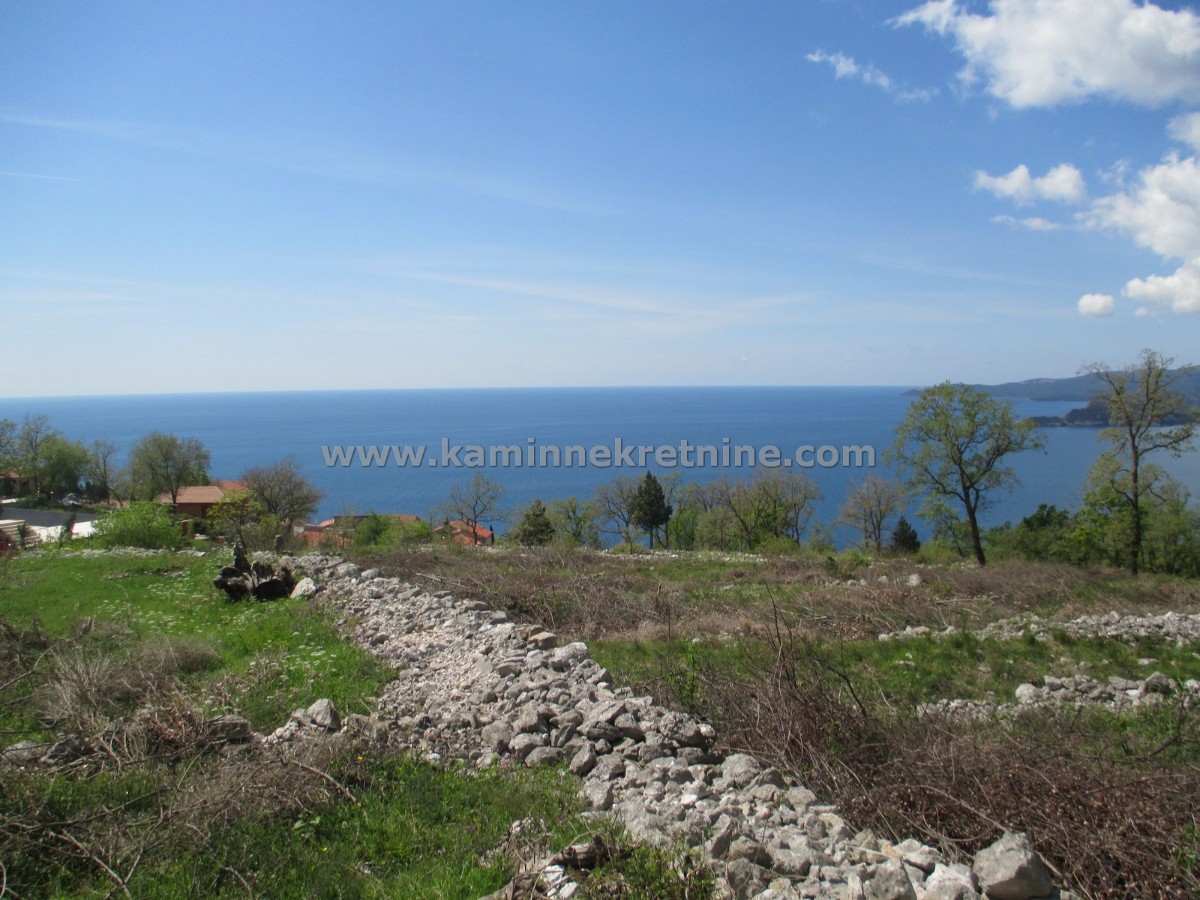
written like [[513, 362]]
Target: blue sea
[[249, 429]]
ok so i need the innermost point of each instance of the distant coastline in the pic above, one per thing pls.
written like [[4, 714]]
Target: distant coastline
[[1084, 389]]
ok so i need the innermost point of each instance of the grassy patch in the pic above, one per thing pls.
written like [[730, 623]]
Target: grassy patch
[[90, 642]]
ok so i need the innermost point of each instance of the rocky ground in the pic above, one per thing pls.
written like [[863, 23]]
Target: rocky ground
[[477, 687]]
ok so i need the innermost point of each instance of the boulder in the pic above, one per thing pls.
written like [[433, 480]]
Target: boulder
[[1011, 869]]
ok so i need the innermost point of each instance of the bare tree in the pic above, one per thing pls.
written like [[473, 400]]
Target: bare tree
[[101, 470], [283, 491], [615, 502], [474, 500], [869, 507]]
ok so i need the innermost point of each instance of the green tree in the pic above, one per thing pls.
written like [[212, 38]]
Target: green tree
[[8, 445], [649, 510], [283, 491], [62, 465], [164, 464], [1146, 415], [575, 523], [535, 528], [952, 445], [234, 513], [904, 538]]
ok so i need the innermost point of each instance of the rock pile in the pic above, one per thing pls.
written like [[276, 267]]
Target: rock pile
[[475, 686], [1179, 628], [1116, 694]]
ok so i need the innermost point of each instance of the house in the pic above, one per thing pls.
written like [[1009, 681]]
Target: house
[[337, 531], [197, 499], [464, 533]]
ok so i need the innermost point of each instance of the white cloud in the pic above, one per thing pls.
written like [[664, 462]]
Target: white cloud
[[1180, 291], [1186, 129], [1161, 212], [1032, 223], [1096, 305], [1063, 182], [1046, 52], [847, 67]]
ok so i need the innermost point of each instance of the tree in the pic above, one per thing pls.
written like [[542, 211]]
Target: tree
[[61, 465], [773, 504], [1145, 415], [614, 502], [904, 538], [869, 506], [283, 491], [8, 445], [27, 450], [535, 528], [234, 513], [164, 464], [575, 522], [952, 444], [649, 510], [475, 500], [101, 470]]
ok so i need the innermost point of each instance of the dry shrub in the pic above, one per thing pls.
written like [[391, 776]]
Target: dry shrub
[[1113, 819], [85, 686]]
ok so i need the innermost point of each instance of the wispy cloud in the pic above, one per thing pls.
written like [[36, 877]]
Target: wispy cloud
[[323, 159], [847, 67], [40, 177]]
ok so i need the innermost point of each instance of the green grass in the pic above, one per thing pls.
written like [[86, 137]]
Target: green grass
[[272, 657], [202, 824]]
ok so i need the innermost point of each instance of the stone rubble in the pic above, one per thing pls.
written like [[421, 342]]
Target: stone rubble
[[1181, 628], [475, 686], [1117, 694]]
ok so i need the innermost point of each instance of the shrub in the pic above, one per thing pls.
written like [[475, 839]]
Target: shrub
[[140, 524]]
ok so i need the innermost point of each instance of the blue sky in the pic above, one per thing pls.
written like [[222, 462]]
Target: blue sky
[[261, 196]]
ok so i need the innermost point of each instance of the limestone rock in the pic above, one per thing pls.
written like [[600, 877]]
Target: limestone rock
[[1010, 869]]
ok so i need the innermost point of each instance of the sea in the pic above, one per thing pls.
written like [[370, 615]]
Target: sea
[[549, 443]]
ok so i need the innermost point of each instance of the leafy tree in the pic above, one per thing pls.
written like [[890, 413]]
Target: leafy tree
[[773, 504], [575, 523], [283, 491], [28, 449], [1146, 415], [234, 513], [535, 528], [904, 538], [8, 445], [140, 524], [164, 464], [379, 534], [649, 510], [474, 500], [869, 506], [62, 464], [952, 444]]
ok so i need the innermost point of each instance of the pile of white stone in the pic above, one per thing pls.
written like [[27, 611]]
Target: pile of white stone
[[1117, 695], [1180, 628], [475, 686]]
